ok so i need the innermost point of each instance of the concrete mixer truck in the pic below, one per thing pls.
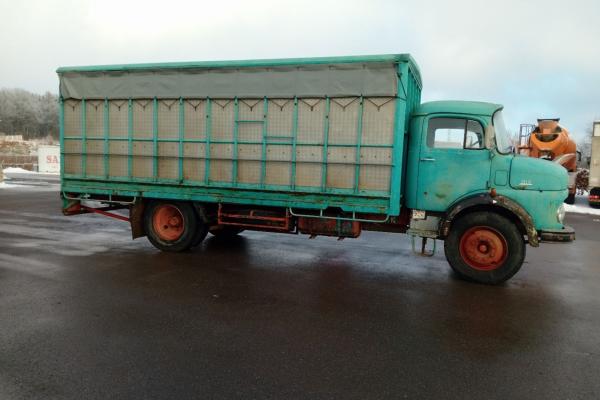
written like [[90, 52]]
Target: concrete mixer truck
[[550, 141]]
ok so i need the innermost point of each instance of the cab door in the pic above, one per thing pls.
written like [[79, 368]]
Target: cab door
[[453, 161]]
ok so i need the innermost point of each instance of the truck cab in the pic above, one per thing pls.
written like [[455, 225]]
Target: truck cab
[[462, 169]]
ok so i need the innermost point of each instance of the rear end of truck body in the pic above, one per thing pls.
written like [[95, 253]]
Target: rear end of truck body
[[594, 177], [318, 146]]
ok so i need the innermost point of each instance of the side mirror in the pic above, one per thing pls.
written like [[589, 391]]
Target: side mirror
[[490, 142]]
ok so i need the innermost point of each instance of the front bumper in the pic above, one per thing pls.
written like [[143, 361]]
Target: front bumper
[[567, 234]]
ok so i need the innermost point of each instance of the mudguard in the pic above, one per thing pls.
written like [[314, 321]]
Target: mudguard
[[493, 201]]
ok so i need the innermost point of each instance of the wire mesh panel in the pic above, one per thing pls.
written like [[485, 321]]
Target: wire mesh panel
[[310, 139], [220, 162], [343, 121], [94, 160], [250, 126], [194, 119], [142, 160], [73, 157], [118, 111], [117, 160], [118, 128], [222, 120], [168, 119], [309, 166], [250, 117], [195, 122], [278, 165], [375, 171], [311, 120], [249, 163], [142, 119], [168, 161], [341, 167], [142, 152], [378, 121], [280, 117], [222, 124], [377, 130], [194, 162], [314, 144], [94, 143], [72, 133]]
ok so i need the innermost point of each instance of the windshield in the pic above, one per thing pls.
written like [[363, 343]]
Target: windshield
[[503, 142]]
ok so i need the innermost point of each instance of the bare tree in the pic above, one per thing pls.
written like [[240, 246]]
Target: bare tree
[[28, 114]]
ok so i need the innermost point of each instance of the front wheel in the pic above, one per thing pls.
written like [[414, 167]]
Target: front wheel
[[171, 226], [485, 247]]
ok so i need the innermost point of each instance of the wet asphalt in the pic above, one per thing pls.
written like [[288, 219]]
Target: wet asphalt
[[87, 313]]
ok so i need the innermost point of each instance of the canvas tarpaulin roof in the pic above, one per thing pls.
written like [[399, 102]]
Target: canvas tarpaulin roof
[[279, 81]]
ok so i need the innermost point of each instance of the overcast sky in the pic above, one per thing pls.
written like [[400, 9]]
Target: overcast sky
[[538, 58]]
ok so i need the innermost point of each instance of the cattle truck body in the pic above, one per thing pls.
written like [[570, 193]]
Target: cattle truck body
[[320, 146], [311, 133]]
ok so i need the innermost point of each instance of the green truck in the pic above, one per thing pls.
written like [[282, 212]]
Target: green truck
[[317, 146]]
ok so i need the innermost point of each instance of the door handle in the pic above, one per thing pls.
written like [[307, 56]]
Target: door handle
[[427, 159]]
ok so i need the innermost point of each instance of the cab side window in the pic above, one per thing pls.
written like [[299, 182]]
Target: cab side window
[[454, 133]]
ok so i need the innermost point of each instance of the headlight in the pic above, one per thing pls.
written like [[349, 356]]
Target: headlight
[[560, 213]]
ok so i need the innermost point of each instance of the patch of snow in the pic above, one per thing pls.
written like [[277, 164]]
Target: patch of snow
[[14, 170], [581, 206]]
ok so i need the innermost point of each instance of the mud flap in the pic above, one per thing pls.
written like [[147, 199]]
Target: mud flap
[[136, 219]]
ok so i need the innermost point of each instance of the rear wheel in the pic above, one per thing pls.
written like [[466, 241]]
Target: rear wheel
[[170, 226], [485, 247]]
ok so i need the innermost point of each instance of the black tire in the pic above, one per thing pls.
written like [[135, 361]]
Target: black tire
[[570, 198], [485, 247], [188, 226], [201, 232], [226, 232]]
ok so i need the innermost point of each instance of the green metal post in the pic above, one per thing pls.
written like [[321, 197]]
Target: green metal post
[[207, 148], [181, 134], [294, 142], [325, 143], [263, 160], [83, 139], [236, 113], [106, 134], [155, 139], [61, 130], [397, 152], [359, 132], [130, 138]]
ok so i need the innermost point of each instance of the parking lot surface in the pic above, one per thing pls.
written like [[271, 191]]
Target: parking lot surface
[[87, 313]]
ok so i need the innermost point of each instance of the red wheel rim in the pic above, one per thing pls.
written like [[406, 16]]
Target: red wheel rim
[[483, 248], [167, 222]]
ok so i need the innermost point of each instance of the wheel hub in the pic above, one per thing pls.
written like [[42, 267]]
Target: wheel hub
[[167, 222], [483, 248]]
